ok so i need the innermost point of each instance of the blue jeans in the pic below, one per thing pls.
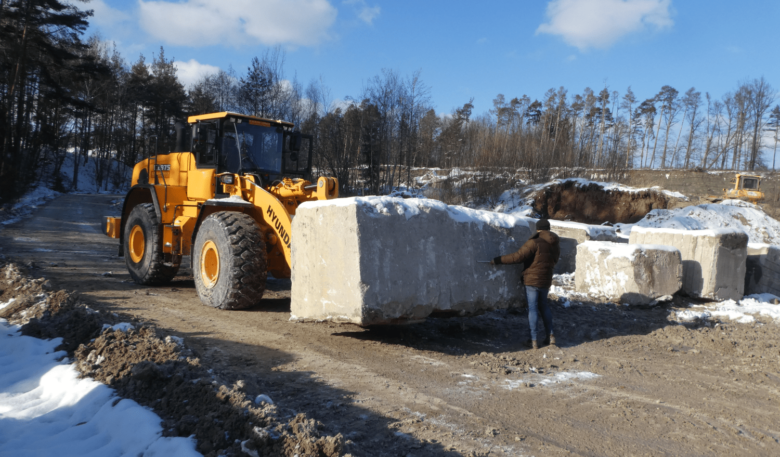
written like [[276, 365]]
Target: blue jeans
[[537, 301]]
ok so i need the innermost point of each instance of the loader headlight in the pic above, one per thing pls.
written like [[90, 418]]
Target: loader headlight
[[227, 179]]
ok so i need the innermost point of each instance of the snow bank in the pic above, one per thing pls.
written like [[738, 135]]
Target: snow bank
[[29, 203], [87, 182], [760, 227], [45, 409], [741, 311], [411, 207]]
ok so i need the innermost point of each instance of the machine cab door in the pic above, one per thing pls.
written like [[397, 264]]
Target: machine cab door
[[297, 154]]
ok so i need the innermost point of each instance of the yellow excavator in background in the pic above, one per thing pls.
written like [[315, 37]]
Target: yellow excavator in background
[[746, 187], [225, 196]]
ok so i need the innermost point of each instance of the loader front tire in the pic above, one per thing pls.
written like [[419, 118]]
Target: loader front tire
[[229, 261], [143, 248]]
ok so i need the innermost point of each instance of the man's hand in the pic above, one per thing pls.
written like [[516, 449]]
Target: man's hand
[[496, 261]]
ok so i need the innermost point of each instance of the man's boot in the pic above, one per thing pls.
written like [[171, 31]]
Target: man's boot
[[532, 344], [552, 340]]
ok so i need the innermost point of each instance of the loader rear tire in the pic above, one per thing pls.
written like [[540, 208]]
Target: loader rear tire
[[143, 248], [229, 261]]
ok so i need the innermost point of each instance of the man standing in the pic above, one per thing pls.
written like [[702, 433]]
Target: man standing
[[538, 256]]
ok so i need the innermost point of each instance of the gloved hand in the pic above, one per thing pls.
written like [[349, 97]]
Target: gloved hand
[[496, 261]]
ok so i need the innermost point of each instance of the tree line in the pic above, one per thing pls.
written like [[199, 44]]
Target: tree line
[[60, 92]]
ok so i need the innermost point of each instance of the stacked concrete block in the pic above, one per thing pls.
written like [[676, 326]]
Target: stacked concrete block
[[714, 261], [383, 260], [763, 269], [574, 233], [634, 274]]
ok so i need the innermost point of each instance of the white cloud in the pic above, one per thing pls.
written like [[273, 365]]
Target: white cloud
[[192, 71], [366, 13], [341, 104], [238, 22], [105, 16], [601, 23], [369, 13]]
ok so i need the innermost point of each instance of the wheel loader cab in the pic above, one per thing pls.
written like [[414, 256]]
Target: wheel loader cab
[[265, 149]]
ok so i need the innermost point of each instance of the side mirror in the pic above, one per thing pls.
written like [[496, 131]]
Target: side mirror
[[295, 142]]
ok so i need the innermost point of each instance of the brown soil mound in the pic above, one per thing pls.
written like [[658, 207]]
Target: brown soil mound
[[161, 374], [592, 204]]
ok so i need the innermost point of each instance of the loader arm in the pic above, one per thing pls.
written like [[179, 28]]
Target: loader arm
[[274, 214]]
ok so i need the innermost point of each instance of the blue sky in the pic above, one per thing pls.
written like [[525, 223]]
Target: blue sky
[[463, 49]]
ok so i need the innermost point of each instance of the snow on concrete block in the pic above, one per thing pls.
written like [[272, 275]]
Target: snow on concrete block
[[574, 233], [636, 274], [762, 269], [384, 260], [714, 261]]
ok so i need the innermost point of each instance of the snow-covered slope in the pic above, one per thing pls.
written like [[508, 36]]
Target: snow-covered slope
[[46, 409], [760, 227]]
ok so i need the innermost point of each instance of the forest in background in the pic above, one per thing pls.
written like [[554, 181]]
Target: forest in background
[[61, 92]]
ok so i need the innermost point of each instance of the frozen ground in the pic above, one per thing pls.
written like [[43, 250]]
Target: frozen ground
[[46, 409]]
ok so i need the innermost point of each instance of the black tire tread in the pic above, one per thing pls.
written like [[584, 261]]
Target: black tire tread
[[159, 273], [248, 271]]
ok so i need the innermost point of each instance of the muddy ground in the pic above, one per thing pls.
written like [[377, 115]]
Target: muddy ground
[[622, 381]]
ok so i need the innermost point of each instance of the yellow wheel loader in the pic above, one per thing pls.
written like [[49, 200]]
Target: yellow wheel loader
[[227, 203], [746, 187]]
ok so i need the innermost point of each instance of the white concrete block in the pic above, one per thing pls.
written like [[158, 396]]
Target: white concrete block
[[762, 269], [636, 274], [572, 234], [714, 261], [382, 260]]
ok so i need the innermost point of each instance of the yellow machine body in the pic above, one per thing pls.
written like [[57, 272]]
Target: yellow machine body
[[746, 187], [184, 193]]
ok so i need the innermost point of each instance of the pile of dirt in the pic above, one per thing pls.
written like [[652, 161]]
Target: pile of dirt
[[160, 372], [592, 203]]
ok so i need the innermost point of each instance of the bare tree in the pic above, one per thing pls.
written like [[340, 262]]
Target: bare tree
[[761, 98]]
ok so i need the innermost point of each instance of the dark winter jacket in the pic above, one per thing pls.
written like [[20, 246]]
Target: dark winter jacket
[[538, 256]]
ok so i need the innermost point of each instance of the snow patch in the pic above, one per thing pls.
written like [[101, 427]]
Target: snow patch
[[122, 327], [742, 312], [5, 304], [546, 381], [411, 207], [46, 409]]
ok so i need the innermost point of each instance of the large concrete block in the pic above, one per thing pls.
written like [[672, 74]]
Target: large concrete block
[[714, 261], [574, 233], [762, 269], [636, 274], [382, 260]]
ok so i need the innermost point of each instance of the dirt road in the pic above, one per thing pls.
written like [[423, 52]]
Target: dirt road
[[622, 381]]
